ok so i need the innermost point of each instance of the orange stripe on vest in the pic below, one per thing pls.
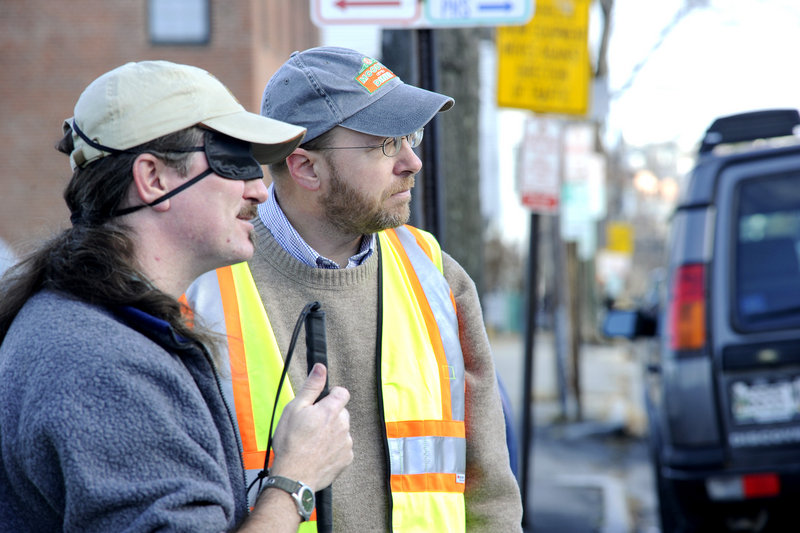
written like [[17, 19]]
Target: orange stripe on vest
[[423, 428], [426, 483], [241, 383]]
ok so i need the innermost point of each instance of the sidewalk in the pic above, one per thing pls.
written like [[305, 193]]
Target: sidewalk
[[611, 382]]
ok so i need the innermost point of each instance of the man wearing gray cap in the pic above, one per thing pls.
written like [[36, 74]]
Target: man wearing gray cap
[[113, 415], [404, 324]]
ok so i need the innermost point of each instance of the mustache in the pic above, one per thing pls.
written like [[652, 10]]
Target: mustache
[[406, 184], [249, 212]]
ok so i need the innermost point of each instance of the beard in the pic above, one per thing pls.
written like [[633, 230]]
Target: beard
[[352, 211]]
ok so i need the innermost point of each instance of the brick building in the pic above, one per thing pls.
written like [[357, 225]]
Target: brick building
[[50, 51]]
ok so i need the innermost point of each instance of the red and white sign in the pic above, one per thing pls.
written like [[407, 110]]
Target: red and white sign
[[539, 170], [401, 12]]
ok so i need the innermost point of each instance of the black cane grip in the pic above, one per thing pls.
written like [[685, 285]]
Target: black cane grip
[[316, 342], [324, 503], [317, 352]]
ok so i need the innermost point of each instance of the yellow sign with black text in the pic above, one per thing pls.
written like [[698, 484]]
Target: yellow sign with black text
[[544, 65], [619, 237]]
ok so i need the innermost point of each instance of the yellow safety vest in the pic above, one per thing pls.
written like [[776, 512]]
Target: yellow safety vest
[[423, 404]]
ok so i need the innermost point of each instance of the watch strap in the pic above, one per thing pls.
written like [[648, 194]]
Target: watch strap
[[294, 488], [284, 483]]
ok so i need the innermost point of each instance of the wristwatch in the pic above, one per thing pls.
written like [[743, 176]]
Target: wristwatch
[[301, 493]]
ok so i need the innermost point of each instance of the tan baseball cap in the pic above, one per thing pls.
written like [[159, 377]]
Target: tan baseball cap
[[139, 102]]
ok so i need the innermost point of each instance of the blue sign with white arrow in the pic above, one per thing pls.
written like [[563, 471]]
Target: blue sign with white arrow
[[501, 6]]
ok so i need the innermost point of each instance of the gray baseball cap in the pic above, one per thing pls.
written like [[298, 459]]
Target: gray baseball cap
[[324, 87]]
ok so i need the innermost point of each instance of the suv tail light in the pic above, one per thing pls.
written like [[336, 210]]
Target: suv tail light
[[746, 487], [687, 313]]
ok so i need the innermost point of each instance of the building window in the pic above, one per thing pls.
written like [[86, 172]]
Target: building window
[[179, 21]]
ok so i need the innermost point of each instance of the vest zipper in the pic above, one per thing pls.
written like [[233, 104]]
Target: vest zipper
[[378, 344]]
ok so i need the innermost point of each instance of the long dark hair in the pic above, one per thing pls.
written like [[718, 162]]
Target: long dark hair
[[94, 260]]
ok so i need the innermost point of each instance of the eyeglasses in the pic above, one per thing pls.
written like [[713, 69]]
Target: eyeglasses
[[390, 146]]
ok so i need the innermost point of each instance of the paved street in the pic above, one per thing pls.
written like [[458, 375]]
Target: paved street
[[587, 479], [591, 475]]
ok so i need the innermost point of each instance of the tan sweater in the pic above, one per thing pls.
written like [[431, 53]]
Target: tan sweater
[[349, 299]]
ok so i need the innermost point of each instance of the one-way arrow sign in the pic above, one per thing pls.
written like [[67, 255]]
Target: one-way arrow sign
[[344, 4], [329, 12]]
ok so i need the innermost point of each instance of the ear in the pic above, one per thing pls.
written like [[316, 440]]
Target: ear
[[149, 180], [302, 168]]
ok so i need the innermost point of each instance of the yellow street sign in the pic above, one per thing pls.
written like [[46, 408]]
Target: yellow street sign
[[619, 237], [544, 65]]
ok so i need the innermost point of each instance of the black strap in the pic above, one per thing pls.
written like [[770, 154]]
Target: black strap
[[104, 148], [167, 196], [79, 217], [289, 352], [94, 144]]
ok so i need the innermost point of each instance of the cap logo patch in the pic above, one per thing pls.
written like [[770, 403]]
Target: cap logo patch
[[373, 75]]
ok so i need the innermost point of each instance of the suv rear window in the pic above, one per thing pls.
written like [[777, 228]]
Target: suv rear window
[[767, 252]]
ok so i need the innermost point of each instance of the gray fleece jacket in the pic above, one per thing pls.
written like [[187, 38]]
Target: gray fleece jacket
[[109, 423]]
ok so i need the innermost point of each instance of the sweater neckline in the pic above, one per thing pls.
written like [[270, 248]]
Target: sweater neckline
[[269, 250]]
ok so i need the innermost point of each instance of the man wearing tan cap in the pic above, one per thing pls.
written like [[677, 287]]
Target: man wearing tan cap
[[405, 333], [113, 415]]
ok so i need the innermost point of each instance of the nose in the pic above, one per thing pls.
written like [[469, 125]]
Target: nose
[[255, 190], [407, 160]]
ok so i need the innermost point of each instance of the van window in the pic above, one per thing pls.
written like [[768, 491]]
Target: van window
[[767, 252]]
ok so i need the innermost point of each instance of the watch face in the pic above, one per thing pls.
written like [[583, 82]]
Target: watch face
[[307, 499]]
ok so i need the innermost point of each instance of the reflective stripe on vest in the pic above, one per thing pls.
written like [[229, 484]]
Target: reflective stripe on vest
[[423, 402]]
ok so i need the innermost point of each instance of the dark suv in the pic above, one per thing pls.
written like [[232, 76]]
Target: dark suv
[[723, 377]]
